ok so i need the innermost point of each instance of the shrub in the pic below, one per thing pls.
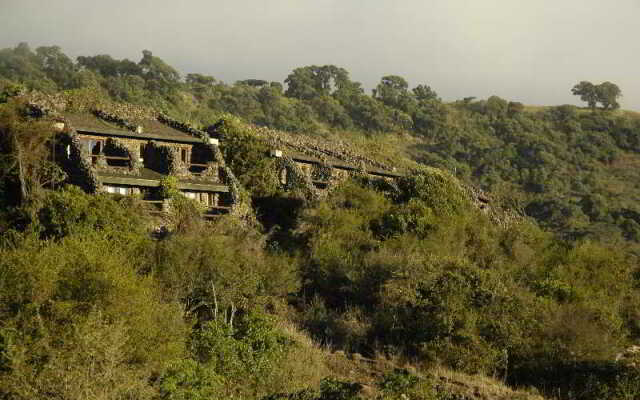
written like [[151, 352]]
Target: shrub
[[437, 189], [189, 380], [169, 187], [398, 381], [86, 356], [224, 263], [69, 211], [334, 389], [330, 389], [414, 217], [185, 215], [247, 156], [245, 354]]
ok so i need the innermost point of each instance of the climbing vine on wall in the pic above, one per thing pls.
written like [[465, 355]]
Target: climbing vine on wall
[[322, 172], [166, 159], [297, 179], [115, 147], [240, 199], [81, 172]]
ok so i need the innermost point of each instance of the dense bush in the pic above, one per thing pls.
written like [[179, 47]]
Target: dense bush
[[92, 307], [463, 292], [248, 157], [103, 310]]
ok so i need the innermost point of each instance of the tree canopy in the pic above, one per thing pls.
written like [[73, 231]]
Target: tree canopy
[[606, 94]]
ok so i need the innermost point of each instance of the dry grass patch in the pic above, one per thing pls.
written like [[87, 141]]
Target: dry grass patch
[[478, 387]]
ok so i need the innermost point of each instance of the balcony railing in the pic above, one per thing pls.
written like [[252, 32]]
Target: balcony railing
[[110, 157], [95, 157], [197, 165], [211, 211]]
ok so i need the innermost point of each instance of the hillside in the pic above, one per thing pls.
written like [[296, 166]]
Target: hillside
[[569, 168], [376, 290]]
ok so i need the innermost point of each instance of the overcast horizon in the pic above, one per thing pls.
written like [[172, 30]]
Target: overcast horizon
[[532, 52]]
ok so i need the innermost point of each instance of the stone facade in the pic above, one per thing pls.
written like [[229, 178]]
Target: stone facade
[[125, 164]]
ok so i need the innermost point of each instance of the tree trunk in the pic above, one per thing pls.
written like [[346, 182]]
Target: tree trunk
[[23, 185]]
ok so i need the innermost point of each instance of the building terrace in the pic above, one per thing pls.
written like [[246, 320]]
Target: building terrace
[[102, 152]]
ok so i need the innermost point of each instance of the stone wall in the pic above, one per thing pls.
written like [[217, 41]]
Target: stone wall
[[166, 159], [121, 147], [204, 154], [76, 163]]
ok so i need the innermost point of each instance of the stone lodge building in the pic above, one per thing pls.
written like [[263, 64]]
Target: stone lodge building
[[103, 153]]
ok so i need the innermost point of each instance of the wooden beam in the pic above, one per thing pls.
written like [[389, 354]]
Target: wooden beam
[[340, 165], [129, 181], [203, 187], [145, 136], [133, 181]]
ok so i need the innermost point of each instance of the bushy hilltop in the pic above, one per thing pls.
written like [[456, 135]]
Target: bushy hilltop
[[571, 169], [373, 291]]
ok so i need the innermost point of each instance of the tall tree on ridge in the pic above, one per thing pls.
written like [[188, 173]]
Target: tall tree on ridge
[[587, 92]]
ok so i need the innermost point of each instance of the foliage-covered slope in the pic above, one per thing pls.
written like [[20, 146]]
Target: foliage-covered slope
[[571, 169], [411, 274]]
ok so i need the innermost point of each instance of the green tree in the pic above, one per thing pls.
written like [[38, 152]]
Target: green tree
[[24, 150], [102, 63], [607, 94], [514, 108], [301, 83], [587, 92], [393, 92], [107, 66], [159, 75], [253, 82], [369, 114], [496, 107], [201, 85], [307, 82], [57, 66], [22, 65], [9, 89], [424, 93]]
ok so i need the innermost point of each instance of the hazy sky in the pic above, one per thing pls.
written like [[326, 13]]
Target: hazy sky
[[532, 51]]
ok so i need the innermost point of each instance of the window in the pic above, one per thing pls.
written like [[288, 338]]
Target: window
[[95, 146], [118, 190], [225, 200], [183, 155]]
